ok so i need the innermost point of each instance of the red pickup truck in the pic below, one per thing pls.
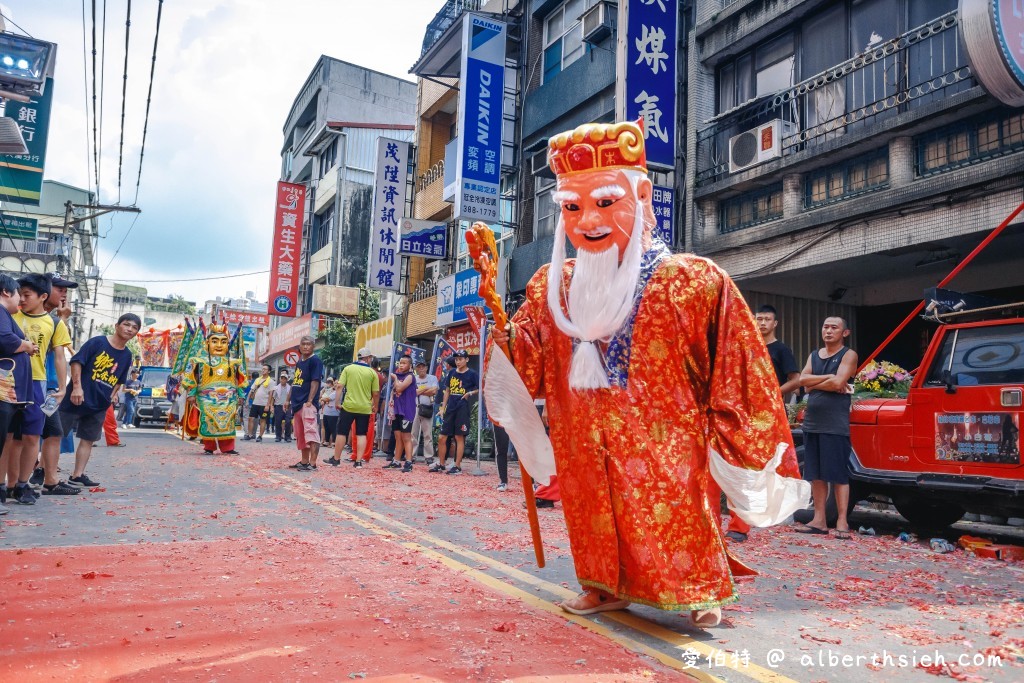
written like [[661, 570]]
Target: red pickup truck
[[953, 445]]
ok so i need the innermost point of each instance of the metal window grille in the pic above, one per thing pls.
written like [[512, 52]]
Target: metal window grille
[[751, 208], [863, 174], [969, 142]]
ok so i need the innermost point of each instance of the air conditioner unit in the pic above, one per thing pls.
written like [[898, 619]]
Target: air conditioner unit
[[599, 21], [539, 164], [759, 145]]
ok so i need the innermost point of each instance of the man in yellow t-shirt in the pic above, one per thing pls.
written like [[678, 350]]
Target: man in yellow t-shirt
[[40, 328]]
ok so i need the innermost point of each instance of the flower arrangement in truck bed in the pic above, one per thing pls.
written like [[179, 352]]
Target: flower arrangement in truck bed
[[881, 380]]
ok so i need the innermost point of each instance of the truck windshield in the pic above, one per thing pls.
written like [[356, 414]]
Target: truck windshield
[[155, 377]]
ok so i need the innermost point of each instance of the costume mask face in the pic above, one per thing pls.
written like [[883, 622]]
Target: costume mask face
[[217, 345], [599, 209]]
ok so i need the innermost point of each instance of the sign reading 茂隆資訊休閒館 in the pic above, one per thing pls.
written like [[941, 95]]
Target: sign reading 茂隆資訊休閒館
[[21, 175], [384, 268], [287, 249], [650, 67], [662, 203], [481, 99], [424, 238]]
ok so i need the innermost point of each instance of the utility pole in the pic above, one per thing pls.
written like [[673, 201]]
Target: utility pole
[[71, 228]]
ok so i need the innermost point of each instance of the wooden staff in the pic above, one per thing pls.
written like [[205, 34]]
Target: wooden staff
[[480, 240]]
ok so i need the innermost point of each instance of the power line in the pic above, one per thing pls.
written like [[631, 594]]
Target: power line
[[8, 19], [149, 97], [95, 146], [124, 98], [85, 91], [123, 239], [103, 95], [198, 279]]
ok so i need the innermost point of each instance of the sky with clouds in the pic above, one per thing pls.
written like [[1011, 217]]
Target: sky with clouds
[[226, 74]]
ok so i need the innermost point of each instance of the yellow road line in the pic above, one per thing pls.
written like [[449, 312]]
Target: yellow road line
[[679, 641]]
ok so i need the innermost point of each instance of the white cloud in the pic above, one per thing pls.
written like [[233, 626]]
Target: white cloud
[[226, 74]]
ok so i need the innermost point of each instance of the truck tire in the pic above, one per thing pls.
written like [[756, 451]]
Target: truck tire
[[137, 421], [926, 513]]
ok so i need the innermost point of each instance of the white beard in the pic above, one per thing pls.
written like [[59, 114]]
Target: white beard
[[601, 297]]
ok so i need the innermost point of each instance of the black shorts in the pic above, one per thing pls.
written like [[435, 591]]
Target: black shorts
[[258, 412], [456, 420], [87, 426], [401, 424], [345, 420], [826, 458], [11, 415], [52, 426]]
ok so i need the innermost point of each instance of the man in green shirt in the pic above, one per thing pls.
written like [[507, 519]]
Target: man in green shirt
[[361, 386]]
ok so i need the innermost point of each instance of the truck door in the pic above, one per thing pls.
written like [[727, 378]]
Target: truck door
[[972, 427]]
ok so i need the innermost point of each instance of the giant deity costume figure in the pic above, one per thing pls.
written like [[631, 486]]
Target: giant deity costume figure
[[213, 382], [655, 377]]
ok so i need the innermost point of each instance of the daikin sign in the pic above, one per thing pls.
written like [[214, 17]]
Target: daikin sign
[[478, 162]]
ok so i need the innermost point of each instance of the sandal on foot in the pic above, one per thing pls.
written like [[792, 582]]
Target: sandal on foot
[[843, 534], [807, 529], [592, 601]]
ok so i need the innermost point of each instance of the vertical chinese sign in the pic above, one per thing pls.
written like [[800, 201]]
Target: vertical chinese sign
[[661, 201], [650, 70], [287, 249], [481, 100], [384, 270], [21, 175]]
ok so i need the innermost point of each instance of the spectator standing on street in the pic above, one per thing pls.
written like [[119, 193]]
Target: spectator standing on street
[[460, 385], [426, 389], [97, 371], [16, 385], [501, 456], [403, 398], [362, 395], [259, 397], [826, 425], [131, 399], [305, 403], [46, 474], [46, 334], [330, 412], [786, 369], [282, 418]]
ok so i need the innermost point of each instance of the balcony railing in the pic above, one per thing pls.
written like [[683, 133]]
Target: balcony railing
[[58, 247], [445, 18], [922, 65], [430, 175]]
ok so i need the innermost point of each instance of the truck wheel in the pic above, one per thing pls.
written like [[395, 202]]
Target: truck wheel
[[137, 421], [927, 514]]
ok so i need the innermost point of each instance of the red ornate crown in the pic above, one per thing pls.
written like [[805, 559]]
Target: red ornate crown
[[598, 147]]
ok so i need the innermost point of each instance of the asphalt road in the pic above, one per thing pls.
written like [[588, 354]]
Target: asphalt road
[[182, 565]]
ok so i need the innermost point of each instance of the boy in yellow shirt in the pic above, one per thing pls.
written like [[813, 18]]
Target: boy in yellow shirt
[[22, 450]]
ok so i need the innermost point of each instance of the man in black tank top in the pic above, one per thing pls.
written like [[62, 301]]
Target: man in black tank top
[[826, 426]]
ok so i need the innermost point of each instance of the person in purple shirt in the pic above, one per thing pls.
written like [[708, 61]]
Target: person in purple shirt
[[403, 393], [15, 382]]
